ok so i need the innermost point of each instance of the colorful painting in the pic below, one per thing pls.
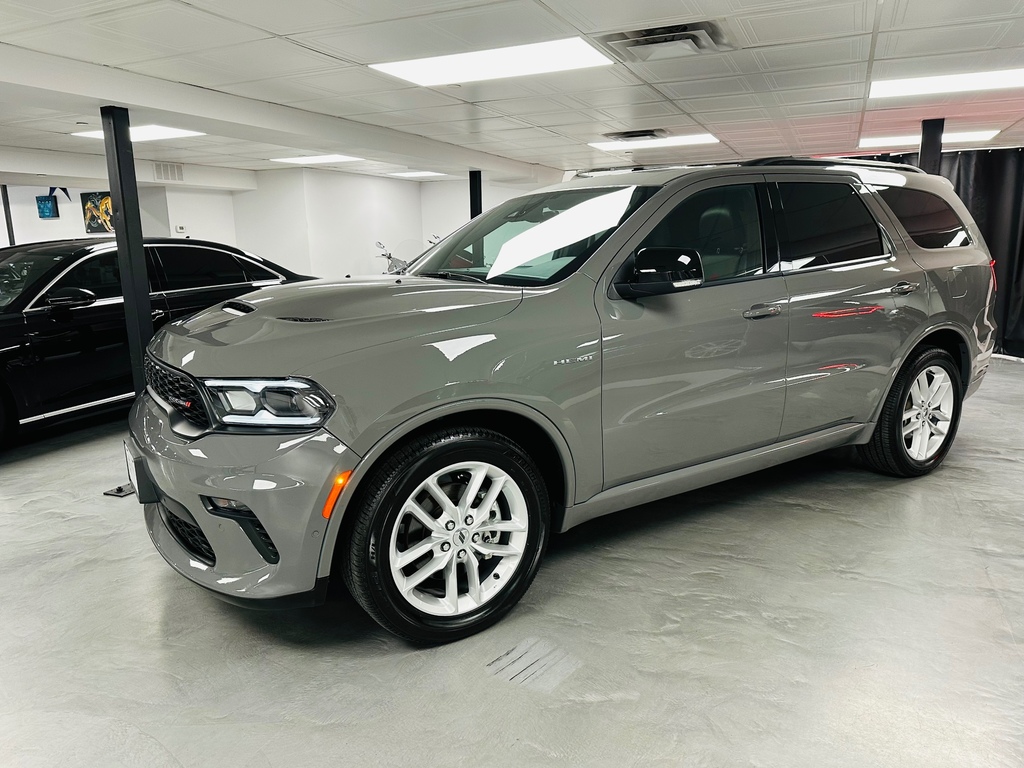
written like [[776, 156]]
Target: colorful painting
[[98, 212], [47, 207]]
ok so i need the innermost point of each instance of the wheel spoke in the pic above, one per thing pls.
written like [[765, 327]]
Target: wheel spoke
[[496, 526], [451, 586], [938, 390], [908, 429], [475, 591], [414, 509], [441, 498], [432, 566], [498, 550], [941, 427], [918, 443], [476, 480], [484, 509], [917, 391], [415, 552]]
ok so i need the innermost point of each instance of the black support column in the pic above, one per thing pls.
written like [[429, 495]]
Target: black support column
[[476, 197], [7, 213], [931, 145], [124, 197]]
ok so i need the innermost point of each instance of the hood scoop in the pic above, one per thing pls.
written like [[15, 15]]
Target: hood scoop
[[236, 307]]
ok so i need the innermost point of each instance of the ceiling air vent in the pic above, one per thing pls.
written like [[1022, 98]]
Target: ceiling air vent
[[655, 133], [168, 171], [668, 42]]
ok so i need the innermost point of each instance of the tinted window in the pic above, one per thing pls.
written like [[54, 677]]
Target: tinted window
[[821, 224], [254, 271], [196, 267], [722, 225], [928, 219], [99, 274]]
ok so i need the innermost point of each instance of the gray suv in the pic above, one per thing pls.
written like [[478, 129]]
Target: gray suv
[[599, 344]]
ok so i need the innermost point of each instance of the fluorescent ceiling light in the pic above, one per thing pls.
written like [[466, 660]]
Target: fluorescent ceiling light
[[416, 174], [146, 133], [627, 145], [972, 81], [962, 137], [518, 60], [315, 159]]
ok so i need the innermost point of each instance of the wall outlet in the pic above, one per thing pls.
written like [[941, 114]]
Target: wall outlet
[[179, 228]]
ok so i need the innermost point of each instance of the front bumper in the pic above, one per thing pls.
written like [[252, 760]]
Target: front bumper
[[283, 479]]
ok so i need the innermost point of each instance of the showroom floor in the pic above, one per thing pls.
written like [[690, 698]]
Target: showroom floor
[[813, 615]]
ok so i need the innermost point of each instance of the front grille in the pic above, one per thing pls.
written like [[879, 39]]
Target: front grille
[[178, 390], [191, 537]]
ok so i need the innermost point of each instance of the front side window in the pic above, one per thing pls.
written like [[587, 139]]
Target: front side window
[[722, 224], [928, 219], [100, 275], [824, 223], [23, 270], [188, 266], [533, 240]]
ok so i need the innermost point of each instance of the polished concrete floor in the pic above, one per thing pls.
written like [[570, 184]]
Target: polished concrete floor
[[812, 615]]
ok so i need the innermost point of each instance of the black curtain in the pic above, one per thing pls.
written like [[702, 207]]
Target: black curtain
[[991, 184]]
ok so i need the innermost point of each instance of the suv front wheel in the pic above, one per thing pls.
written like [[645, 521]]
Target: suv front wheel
[[449, 535], [920, 416]]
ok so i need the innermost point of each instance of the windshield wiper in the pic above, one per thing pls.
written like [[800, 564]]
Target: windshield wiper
[[445, 275]]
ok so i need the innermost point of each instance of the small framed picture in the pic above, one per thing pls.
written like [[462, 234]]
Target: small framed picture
[[47, 206]]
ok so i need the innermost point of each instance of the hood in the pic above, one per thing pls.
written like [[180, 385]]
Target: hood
[[279, 331]]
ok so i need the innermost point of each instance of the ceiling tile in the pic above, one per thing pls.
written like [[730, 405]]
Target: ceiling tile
[[695, 89], [632, 112], [800, 55], [908, 14], [720, 103], [350, 81], [617, 97], [408, 98], [924, 42], [806, 23], [493, 25], [258, 60], [817, 76]]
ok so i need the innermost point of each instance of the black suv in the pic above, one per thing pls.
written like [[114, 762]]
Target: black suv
[[63, 339]]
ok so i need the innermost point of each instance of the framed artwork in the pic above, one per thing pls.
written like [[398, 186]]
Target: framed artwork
[[47, 206], [98, 212]]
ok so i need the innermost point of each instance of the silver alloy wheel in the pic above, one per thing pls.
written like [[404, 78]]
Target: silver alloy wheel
[[458, 539], [928, 413]]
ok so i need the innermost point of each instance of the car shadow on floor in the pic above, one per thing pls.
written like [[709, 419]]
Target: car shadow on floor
[[39, 442]]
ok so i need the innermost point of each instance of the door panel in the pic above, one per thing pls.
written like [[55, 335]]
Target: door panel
[[687, 377], [848, 289], [79, 355]]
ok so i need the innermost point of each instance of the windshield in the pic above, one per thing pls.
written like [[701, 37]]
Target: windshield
[[533, 240], [20, 270]]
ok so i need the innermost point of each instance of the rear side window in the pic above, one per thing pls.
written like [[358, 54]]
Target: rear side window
[[928, 219], [255, 272], [824, 223], [197, 267]]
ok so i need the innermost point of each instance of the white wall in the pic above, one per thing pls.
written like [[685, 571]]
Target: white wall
[[445, 204], [347, 214], [29, 228], [270, 221], [206, 214], [153, 211]]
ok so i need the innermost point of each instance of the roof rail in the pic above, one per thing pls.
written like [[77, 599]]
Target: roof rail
[[830, 161]]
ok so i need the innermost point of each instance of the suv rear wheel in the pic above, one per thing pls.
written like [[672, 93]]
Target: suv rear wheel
[[919, 418], [449, 535]]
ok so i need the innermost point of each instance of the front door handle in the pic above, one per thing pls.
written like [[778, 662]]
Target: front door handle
[[762, 310], [903, 288]]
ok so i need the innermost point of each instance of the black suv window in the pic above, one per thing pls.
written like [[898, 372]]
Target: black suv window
[[99, 274], [190, 266], [928, 219], [722, 224], [821, 223]]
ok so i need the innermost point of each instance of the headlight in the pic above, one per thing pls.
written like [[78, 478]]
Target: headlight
[[268, 402]]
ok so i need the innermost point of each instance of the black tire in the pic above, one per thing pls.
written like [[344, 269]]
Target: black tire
[[367, 566], [888, 452]]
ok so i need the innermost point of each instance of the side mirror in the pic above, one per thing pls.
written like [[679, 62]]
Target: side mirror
[[70, 297], [657, 271]]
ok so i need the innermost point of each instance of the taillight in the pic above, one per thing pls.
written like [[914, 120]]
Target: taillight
[[992, 266]]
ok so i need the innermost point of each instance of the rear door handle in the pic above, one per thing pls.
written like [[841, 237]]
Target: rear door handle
[[903, 288], [762, 310]]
